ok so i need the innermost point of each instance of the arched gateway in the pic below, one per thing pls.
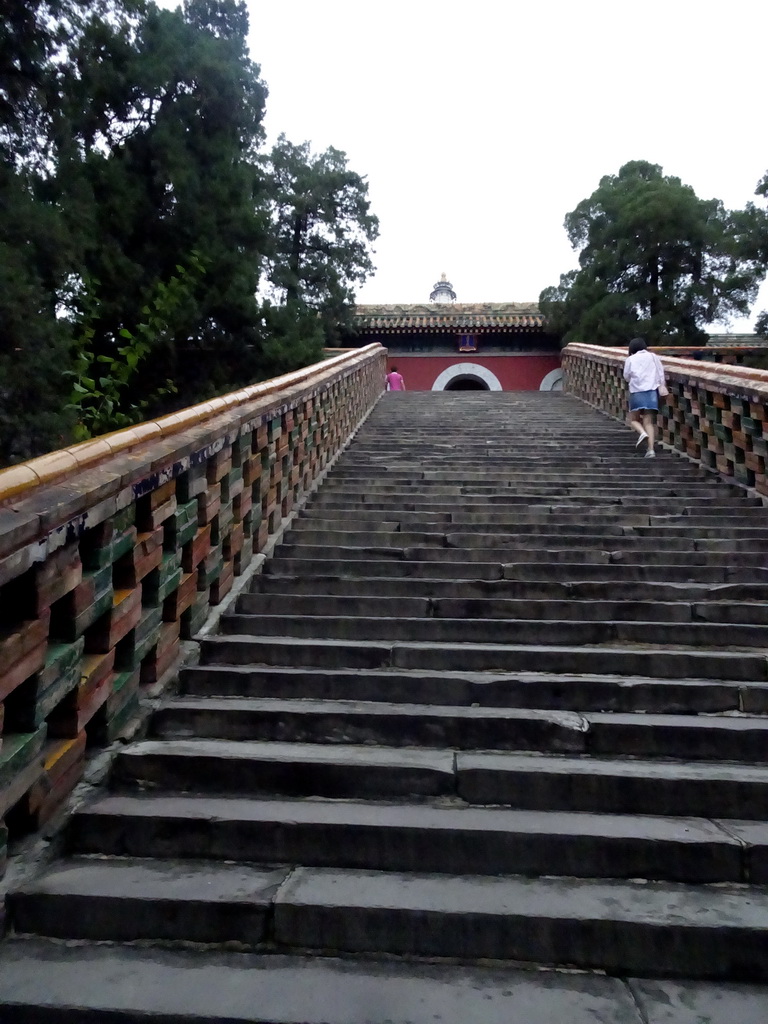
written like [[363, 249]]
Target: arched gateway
[[467, 377]]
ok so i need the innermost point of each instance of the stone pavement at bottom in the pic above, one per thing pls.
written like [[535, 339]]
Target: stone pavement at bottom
[[485, 742]]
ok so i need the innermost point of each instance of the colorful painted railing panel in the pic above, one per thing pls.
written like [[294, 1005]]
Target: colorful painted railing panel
[[114, 551], [717, 415]]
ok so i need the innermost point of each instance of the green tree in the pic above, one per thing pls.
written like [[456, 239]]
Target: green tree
[[759, 238], [322, 231], [35, 248], [165, 123], [654, 260], [129, 143], [34, 343]]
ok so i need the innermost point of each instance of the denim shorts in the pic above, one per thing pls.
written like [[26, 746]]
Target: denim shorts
[[644, 400]]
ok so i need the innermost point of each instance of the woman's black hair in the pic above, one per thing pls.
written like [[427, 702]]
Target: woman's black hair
[[636, 345]]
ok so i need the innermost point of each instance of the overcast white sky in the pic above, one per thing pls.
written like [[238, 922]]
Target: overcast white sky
[[479, 124]]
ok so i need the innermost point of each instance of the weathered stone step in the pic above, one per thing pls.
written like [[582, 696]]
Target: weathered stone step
[[499, 589], [411, 837], [524, 781], [708, 932], [340, 540], [508, 525], [285, 769], [613, 786], [329, 721], [722, 572], [196, 986], [497, 475], [499, 630], [559, 550], [506, 539], [324, 605], [480, 466], [514, 501], [517, 496], [547, 571], [693, 737], [464, 522], [601, 551], [663, 663], [496, 470], [125, 899], [506, 503], [510, 488], [526, 512], [541, 690], [452, 570]]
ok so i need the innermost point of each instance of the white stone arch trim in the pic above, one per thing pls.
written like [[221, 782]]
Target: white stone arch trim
[[552, 381], [467, 370]]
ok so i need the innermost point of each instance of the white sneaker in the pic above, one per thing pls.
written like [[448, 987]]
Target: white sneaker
[[650, 455], [640, 439]]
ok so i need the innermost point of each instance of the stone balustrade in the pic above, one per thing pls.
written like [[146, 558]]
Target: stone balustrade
[[114, 551], [717, 415]]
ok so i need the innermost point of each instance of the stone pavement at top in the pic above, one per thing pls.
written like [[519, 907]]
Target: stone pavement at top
[[486, 742]]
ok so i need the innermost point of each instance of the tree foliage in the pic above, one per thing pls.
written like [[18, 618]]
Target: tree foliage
[[169, 168], [654, 260], [130, 141], [322, 231], [760, 244]]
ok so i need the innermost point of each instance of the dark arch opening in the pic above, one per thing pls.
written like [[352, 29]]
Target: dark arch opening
[[466, 382]]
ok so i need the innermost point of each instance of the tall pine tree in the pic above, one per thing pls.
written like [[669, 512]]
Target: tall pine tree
[[655, 260]]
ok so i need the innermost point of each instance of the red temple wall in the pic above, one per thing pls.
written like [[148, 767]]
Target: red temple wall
[[515, 373]]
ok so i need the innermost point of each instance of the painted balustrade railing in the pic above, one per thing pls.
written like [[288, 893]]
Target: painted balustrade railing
[[716, 414], [114, 551]]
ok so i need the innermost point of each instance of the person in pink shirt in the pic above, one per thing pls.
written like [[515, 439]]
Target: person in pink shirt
[[644, 373], [395, 380]]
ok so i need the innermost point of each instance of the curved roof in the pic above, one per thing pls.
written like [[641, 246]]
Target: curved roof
[[456, 316]]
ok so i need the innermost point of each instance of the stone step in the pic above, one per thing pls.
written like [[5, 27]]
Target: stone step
[[692, 737], [497, 476], [523, 781], [515, 496], [707, 932], [127, 900], [339, 540], [285, 769], [499, 630], [604, 551], [389, 837], [565, 692], [621, 540], [508, 525], [479, 466], [461, 521], [663, 663], [500, 589], [288, 604], [653, 503], [563, 571], [613, 786], [558, 514], [555, 504], [197, 986]]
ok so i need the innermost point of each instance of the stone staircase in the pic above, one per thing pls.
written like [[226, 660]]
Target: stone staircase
[[485, 742]]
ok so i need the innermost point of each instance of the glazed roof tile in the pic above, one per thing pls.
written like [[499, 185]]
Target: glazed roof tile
[[436, 316], [737, 341]]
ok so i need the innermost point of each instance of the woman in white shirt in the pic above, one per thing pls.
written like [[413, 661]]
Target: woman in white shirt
[[645, 374]]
